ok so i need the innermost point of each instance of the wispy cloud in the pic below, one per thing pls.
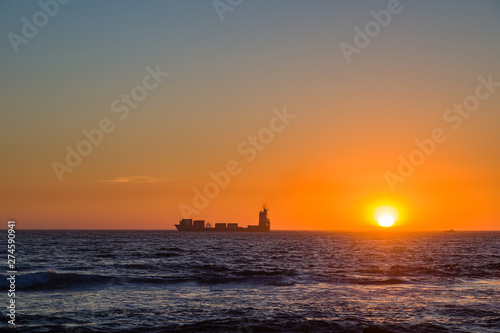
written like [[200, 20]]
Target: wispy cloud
[[142, 179]]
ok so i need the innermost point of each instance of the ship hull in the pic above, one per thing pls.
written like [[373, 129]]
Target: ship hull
[[239, 229]]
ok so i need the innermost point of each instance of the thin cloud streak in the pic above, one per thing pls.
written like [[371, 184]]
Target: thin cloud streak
[[168, 178]]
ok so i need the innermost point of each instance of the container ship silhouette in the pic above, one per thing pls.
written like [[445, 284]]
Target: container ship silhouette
[[200, 225]]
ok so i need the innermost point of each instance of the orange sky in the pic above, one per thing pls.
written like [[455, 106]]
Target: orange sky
[[325, 166]]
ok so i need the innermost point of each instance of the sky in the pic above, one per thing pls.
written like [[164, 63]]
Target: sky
[[210, 109]]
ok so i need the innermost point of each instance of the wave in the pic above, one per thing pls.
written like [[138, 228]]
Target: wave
[[219, 274], [138, 266], [443, 270], [277, 323], [175, 249], [279, 272], [50, 280], [165, 255], [492, 266], [53, 280], [211, 268], [252, 277], [295, 323], [382, 282]]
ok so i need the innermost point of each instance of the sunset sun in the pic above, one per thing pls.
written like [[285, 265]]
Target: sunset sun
[[386, 216], [386, 220]]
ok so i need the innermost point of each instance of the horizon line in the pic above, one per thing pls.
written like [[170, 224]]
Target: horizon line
[[320, 230]]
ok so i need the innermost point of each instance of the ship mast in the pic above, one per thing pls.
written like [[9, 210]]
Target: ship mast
[[264, 221]]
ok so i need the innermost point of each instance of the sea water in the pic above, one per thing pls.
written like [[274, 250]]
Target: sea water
[[162, 281]]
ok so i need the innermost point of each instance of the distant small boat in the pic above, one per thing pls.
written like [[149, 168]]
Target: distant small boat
[[451, 230]]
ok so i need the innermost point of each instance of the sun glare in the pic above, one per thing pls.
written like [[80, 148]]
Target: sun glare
[[386, 216], [386, 221]]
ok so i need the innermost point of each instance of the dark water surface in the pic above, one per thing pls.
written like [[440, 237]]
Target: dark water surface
[[162, 281]]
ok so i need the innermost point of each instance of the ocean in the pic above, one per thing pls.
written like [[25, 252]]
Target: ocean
[[282, 281]]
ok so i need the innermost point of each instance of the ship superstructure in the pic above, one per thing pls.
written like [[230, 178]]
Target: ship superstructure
[[200, 225]]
